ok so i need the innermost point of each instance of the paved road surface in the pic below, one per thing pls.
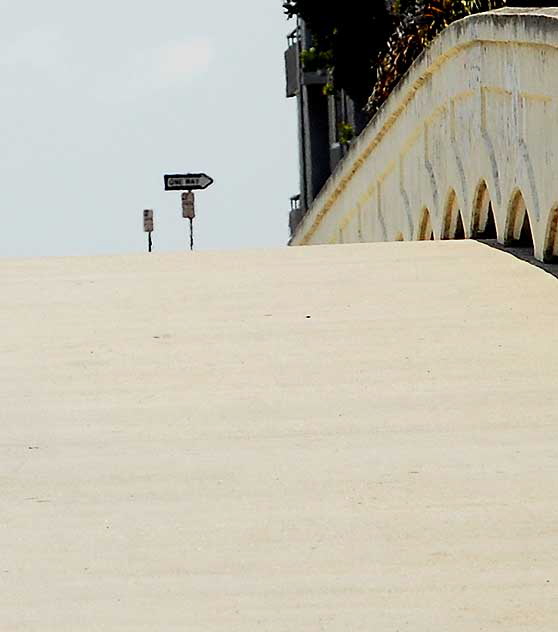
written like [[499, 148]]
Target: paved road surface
[[346, 438]]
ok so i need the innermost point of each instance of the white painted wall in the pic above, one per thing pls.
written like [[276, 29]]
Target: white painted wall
[[475, 121]]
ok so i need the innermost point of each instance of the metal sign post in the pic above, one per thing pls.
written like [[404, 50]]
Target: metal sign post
[[148, 227], [188, 182], [189, 212]]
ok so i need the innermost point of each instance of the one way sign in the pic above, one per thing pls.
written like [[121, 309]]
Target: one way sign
[[187, 182]]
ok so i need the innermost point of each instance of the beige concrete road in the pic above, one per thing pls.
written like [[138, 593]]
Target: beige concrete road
[[345, 438]]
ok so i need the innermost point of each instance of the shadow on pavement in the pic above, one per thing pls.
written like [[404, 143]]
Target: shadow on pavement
[[525, 253]]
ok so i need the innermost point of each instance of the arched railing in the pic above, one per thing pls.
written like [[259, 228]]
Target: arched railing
[[465, 146]]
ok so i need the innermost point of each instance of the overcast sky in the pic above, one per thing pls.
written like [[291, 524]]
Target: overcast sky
[[100, 99]]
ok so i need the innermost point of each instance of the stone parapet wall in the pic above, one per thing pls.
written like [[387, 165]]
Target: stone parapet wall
[[470, 132]]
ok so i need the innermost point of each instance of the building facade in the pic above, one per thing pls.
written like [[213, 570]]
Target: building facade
[[327, 119]]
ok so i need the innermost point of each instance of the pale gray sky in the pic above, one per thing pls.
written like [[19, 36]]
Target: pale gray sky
[[100, 99]]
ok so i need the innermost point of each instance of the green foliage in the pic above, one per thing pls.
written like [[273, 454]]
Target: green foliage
[[419, 22], [346, 133], [329, 89], [313, 59], [348, 37], [367, 48]]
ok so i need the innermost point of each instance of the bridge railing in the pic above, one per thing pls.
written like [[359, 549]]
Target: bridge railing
[[465, 146]]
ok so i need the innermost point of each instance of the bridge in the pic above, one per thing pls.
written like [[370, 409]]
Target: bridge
[[333, 438], [341, 438], [465, 146]]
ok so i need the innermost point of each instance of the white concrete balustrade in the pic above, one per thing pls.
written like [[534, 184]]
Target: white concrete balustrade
[[465, 146]]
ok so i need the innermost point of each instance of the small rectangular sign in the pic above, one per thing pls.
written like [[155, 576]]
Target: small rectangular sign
[[148, 221], [188, 205]]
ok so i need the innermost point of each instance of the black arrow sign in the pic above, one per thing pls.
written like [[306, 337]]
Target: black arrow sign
[[187, 182]]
